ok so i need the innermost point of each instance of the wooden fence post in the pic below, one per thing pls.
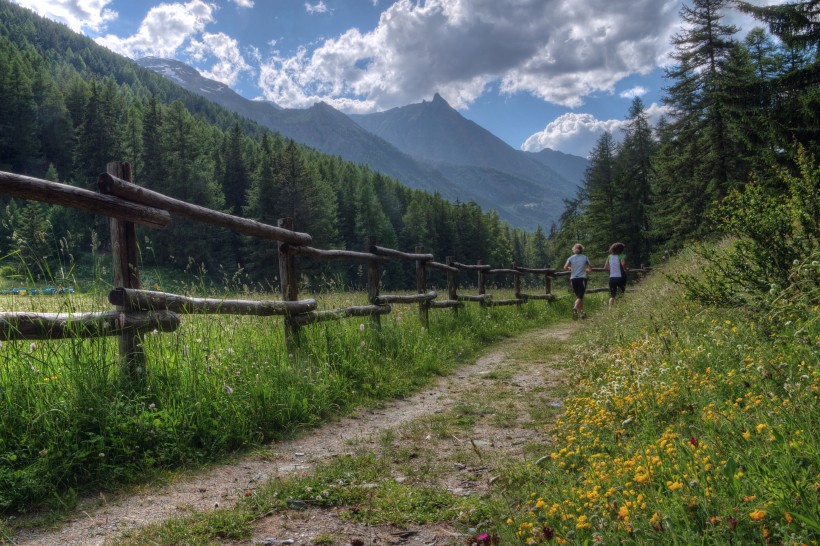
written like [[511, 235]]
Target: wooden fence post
[[482, 282], [452, 283], [421, 288], [289, 284], [373, 281], [124, 255], [548, 285], [517, 282]]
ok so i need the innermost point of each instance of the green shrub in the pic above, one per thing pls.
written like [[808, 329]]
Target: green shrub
[[774, 257]]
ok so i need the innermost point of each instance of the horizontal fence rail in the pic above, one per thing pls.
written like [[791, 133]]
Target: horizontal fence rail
[[150, 300], [141, 311], [37, 326], [110, 184], [34, 189]]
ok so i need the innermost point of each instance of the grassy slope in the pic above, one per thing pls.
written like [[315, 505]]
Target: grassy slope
[[684, 425]]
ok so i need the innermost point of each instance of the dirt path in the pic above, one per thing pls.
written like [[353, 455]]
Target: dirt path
[[528, 383]]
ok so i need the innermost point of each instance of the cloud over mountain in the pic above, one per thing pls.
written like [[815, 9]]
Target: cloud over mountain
[[556, 50]]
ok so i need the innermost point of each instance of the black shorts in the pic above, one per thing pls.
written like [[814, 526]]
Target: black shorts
[[579, 286], [615, 284]]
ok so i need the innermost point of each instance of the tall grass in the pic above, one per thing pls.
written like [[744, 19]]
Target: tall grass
[[690, 425], [217, 385]]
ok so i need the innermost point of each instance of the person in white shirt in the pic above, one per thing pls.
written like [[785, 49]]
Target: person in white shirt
[[578, 265], [616, 265]]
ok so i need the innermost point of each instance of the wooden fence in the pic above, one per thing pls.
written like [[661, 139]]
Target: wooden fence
[[138, 311]]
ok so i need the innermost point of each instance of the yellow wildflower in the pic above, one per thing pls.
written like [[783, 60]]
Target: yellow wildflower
[[757, 515], [674, 486]]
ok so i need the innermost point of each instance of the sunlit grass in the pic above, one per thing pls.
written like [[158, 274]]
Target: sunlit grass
[[687, 425], [216, 385]]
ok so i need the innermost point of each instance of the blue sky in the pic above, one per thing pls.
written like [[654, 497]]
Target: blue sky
[[536, 73]]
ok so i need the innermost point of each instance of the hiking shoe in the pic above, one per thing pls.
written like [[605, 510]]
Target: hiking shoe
[[583, 315], [575, 314]]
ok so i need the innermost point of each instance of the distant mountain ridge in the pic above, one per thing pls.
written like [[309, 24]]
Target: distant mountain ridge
[[429, 146]]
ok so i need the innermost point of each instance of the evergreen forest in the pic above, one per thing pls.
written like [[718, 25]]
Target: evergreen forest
[[69, 106], [738, 112]]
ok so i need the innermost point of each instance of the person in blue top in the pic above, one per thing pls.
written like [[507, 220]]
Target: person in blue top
[[616, 265], [578, 265]]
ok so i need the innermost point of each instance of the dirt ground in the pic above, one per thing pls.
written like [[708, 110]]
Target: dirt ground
[[518, 384]]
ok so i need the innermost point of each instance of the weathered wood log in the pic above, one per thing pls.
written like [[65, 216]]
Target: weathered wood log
[[452, 283], [442, 267], [479, 297], [112, 185], [146, 300], [344, 312], [470, 267], [562, 273], [126, 272], [503, 272], [373, 282], [548, 297], [415, 298], [445, 304], [517, 282], [382, 251], [596, 290], [497, 303], [542, 270], [26, 187], [31, 326], [421, 288], [288, 282], [334, 254]]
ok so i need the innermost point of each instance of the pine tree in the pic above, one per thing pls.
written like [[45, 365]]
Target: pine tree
[[31, 236], [635, 173], [795, 92], [701, 154], [153, 170], [598, 195], [235, 177]]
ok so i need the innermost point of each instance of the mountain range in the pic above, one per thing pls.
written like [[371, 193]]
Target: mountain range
[[428, 145]]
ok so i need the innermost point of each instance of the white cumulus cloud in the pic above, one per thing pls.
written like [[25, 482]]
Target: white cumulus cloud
[[557, 50], [636, 91], [76, 14], [244, 3], [577, 133], [571, 133], [164, 30], [229, 62], [320, 7]]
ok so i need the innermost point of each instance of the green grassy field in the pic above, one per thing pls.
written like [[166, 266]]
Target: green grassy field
[[218, 385], [682, 424]]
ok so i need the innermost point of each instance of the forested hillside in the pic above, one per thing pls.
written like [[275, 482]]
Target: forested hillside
[[68, 106], [739, 109]]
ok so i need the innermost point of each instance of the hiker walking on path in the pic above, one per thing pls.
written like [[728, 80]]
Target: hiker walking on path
[[579, 267], [616, 265]]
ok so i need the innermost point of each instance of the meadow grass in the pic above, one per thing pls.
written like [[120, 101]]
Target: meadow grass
[[683, 424], [216, 386], [688, 425]]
